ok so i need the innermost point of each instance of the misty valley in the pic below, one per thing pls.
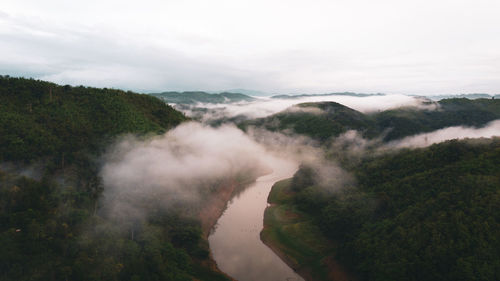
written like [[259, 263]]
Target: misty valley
[[107, 184]]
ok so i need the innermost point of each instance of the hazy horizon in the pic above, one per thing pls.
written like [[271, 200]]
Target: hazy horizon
[[260, 94]]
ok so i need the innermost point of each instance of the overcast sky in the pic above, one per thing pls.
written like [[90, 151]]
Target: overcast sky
[[313, 46]]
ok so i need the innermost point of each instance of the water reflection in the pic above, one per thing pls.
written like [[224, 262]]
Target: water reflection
[[236, 244]]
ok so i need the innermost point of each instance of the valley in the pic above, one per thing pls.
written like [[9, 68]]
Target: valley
[[103, 184]]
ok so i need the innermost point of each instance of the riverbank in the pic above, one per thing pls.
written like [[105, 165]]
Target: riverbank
[[299, 243]]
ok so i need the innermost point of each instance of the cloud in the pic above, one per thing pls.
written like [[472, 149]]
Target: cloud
[[311, 47], [458, 132], [351, 146], [178, 170], [106, 57], [267, 106]]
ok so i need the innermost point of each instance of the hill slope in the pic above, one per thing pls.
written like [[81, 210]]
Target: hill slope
[[451, 112], [40, 119], [423, 214], [318, 120], [52, 226]]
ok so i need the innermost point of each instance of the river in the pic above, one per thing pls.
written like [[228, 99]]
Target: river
[[235, 242]]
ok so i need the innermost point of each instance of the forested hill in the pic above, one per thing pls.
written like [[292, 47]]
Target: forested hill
[[51, 227], [324, 120], [41, 119], [202, 97], [423, 214], [320, 120], [451, 112]]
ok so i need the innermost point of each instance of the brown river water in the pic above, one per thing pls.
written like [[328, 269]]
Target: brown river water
[[235, 241]]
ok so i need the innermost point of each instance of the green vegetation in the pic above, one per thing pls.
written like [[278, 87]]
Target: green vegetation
[[201, 97], [51, 226], [452, 112], [294, 235], [423, 214], [331, 119], [327, 119], [41, 119]]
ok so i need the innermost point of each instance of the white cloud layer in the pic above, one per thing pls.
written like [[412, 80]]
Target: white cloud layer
[[176, 167], [267, 106], [276, 46], [183, 165], [491, 129]]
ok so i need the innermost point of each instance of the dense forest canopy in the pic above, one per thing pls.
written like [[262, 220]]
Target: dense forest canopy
[[51, 224], [422, 214], [41, 119]]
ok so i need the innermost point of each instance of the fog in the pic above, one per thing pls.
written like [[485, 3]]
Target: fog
[[354, 146], [457, 132], [267, 106], [174, 167], [181, 167]]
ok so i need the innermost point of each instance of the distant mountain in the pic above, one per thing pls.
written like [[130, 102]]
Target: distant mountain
[[467, 96], [432, 97], [201, 97], [323, 95], [247, 92]]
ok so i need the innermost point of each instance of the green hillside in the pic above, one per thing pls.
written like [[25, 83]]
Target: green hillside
[[452, 112], [51, 224], [41, 119], [423, 214]]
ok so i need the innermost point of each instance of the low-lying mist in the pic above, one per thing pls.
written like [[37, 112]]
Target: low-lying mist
[[456, 132], [182, 167], [174, 168], [267, 106], [354, 146]]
